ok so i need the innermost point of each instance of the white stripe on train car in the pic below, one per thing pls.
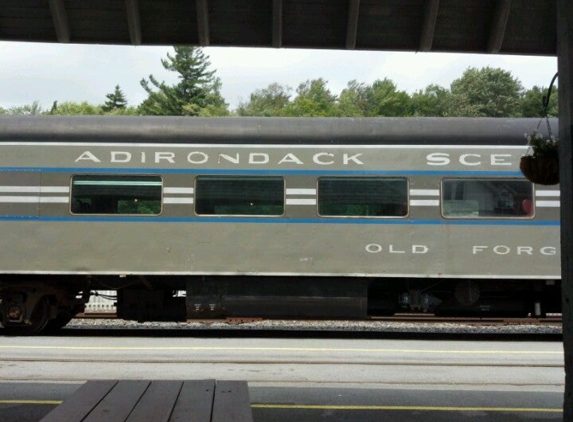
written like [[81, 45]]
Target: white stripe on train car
[[272, 146], [20, 189], [19, 199], [548, 193], [35, 189], [424, 203], [54, 189], [297, 201], [178, 200], [301, 191], [179, 191], [34, 199], [424, 192], [547, 204], [55, 199]]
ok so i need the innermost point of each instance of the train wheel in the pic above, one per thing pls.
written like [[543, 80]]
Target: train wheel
[[57, 323], [38, 321]]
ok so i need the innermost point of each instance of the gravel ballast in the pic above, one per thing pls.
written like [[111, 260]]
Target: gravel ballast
[[360, 326]]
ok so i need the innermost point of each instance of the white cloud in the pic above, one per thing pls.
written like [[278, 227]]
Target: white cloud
[[49, 72], [413, 72]]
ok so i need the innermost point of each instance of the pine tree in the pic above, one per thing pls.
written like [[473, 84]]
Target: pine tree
[[196, 94], [115, 100]]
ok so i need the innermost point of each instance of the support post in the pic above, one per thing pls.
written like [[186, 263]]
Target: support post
[[60, 18], [565, 69], [203, 22], [133, 21], [277, 23], [352, 25]]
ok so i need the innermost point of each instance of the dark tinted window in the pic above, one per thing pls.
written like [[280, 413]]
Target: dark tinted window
[[239, 195], [103, 194], [362, 197], [487, 198]]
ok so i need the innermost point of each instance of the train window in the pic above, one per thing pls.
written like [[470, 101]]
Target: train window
[[362, 197], [239, 195], [486, 198], [115, 194]]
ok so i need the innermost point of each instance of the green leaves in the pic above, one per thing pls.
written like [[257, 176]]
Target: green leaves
[[115, 100], [485, 92], [197, 93], [270, 101]]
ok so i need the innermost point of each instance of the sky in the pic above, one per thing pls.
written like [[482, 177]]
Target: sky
[[66, 72]]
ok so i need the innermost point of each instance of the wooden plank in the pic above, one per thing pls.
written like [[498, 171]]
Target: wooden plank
[[119, 403], [232, 402], [157, 402], [80, 404], [195, 402]]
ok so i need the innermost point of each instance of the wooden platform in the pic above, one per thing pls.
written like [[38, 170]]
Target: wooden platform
[[156, 401]]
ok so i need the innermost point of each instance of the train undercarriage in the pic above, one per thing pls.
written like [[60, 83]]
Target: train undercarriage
[[29, 306]]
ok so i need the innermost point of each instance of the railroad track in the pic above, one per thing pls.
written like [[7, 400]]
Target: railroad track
[[430, 319], [554, 319]]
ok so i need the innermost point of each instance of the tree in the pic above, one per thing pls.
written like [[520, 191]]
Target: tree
[[485, 92], [353, 100], [127, 111], [70, 108], [532, 102], [198, 90], [432, 101], [384, 99], [313, 99], [266, 102], [33, 109], [215, 104], [115, 100]]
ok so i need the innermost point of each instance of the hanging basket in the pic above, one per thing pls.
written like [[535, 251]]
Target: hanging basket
[[540, 170]]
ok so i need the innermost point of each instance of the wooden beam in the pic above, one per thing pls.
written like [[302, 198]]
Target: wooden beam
[[564, 18], [133, 21], [429, 25], [203, 21], [277, 23], [60, 18], [352, 27], [499, 25]]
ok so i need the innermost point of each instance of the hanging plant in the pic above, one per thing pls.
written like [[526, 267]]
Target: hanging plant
[[541, 163]]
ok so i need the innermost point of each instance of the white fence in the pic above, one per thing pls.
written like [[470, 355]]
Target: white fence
[[100, 304]]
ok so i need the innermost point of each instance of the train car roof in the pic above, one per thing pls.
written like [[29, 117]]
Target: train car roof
[[270, 130]]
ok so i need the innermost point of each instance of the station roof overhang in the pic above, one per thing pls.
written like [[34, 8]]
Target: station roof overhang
[[524, 27]]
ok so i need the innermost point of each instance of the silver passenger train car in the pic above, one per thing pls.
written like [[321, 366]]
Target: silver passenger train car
[[276, 218]]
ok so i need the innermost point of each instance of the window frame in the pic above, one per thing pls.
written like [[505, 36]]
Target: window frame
[[405, 216], [484, 179], [195, 201], [119, 215]]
